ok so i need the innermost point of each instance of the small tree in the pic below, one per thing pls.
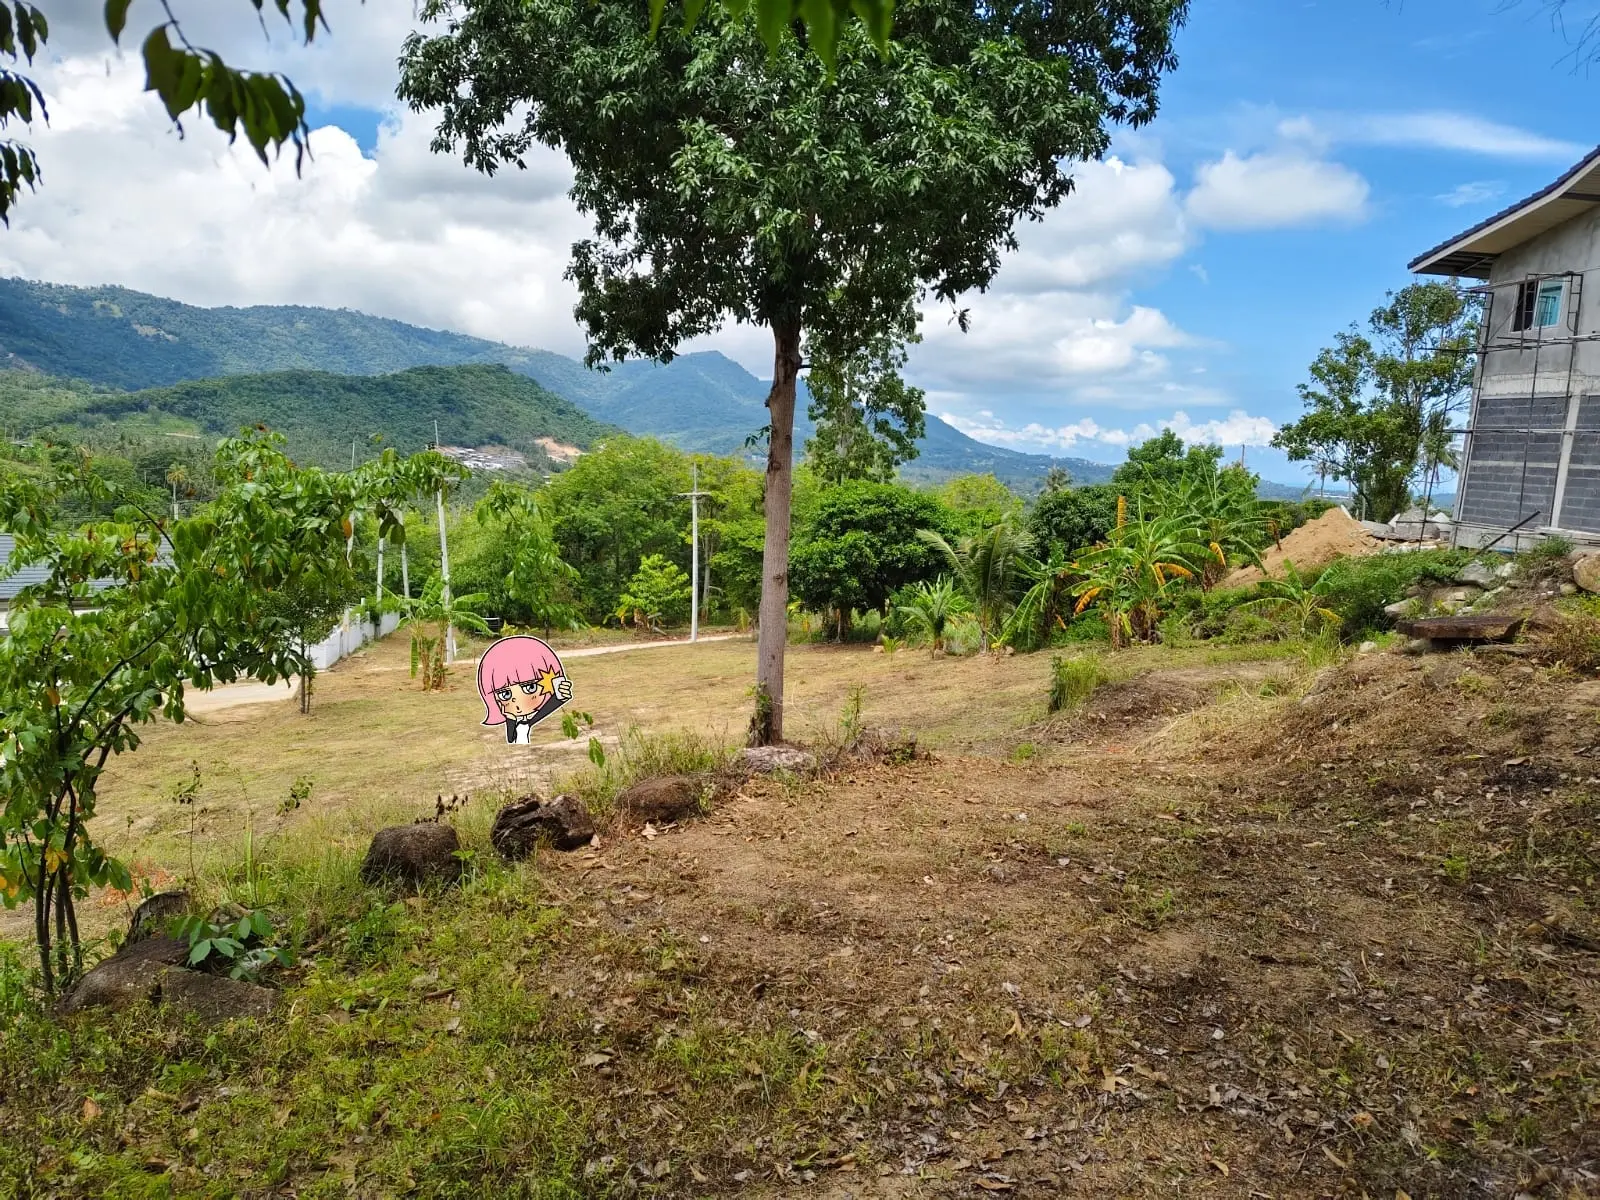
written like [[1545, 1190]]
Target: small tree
[[933, 608], [868, 421], [657, 594], [178, 604], [985, 565], [539, 579], [429, 618]]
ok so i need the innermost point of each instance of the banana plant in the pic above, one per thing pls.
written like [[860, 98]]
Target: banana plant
[[1040, 610], [1131, 576], [1293, 599], [428, 617]]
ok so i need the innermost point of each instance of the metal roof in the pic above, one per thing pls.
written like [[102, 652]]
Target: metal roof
[[11, 584], [1474, 252]]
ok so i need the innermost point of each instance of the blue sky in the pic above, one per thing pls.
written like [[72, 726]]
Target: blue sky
[[1305, 152], [1415, 125]]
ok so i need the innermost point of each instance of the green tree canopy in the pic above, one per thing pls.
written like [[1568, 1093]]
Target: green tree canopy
[[1380, 405], [868, 421], [728, 182], [862, 547], [1073, 519]]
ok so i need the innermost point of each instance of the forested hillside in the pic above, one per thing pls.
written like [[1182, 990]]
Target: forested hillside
[[321, 413], [112, 337]]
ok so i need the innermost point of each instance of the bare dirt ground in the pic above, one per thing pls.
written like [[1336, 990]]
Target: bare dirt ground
[[1230, 930], [1270, 949]]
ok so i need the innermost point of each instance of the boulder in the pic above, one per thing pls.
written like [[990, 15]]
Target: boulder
[[561, 822], [769, 760], [1484, 575], [155, 913], [1586, 572], [420, 853], [150, 971], [663, 799], [1399, 608]]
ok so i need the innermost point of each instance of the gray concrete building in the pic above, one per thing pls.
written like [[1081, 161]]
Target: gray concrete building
[[1531, 450]]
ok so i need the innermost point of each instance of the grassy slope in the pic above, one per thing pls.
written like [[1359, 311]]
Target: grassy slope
[[1196, 938]]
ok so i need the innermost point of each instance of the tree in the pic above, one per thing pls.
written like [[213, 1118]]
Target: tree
[[1039, 612], [1223, 512], [265, 107], [862, 547], [537, 578], [729, 182], [985, 564], [932, 608], [616, 505], [178, 604], [1163, 462], [657, 594], [981, 501], [1074, 518], [1379, 406], [868, 421], [1130, 576], [310, 609]]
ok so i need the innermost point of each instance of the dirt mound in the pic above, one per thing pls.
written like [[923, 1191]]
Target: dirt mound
[[1335, 534]]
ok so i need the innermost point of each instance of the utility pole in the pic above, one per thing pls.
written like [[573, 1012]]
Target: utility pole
[[405, 573], [693, 495], [444, 564]]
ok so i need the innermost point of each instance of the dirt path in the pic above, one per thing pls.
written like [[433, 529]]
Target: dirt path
[[253, 691]]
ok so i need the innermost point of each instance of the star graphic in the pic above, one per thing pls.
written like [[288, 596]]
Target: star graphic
[[547, 681]]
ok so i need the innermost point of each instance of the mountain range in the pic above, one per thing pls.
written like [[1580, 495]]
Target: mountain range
[[223, 366]]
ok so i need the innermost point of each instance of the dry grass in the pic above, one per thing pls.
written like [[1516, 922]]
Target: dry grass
[[1233, 929]]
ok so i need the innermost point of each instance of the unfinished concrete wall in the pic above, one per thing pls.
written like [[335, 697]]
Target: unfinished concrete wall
[[1534, 437]]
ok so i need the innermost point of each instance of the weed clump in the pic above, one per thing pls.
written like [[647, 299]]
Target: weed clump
[[1359, 589], [1073, 681]]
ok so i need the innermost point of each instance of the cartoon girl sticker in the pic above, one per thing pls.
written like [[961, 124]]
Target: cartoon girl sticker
[[521, 682]]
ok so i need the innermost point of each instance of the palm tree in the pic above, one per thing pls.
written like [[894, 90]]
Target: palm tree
[[1227, 521], [429, 617], [985, 565], [933, 609]]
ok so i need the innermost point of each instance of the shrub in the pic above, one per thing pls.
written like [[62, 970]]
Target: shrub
[[1359, 589], [1546, 559], [1073, 681], [1573, 640]]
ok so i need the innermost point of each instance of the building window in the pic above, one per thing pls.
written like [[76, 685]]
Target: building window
[[1538, 304]]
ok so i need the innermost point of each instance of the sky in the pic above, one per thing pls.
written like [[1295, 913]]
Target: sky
[[1305, 152]]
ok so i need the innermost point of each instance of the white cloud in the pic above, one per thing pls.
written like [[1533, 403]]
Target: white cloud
[[1455, 131], [405, 233], [1275, 189], [1238, 428], [1469, 194]]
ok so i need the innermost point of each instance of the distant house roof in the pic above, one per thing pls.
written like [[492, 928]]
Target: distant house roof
[[1473, 253], [10, 585], [13, 583]]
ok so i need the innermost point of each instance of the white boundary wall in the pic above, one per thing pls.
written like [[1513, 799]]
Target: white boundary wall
[[352, 633]]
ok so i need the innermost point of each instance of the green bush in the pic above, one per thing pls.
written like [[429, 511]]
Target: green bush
[[1359, 589], [1073, 681]]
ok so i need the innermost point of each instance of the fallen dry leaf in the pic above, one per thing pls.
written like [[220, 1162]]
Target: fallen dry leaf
[[91, 1110], [597, 1058], [995, 1185], [1335, 1159], [1219, 1165]]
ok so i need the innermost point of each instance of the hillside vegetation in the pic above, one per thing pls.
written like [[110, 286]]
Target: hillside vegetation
[[116, 338], [320, 413]]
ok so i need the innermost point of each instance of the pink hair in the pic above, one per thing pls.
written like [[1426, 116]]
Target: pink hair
[[518, 659]]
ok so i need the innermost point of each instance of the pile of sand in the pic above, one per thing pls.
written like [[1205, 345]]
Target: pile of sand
[[1335, 534]]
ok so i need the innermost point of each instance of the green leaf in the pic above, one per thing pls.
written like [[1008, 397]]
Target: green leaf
[[117, 17], [198, 952]]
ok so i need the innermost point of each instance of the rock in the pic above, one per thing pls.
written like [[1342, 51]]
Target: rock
[[1368, 647], [768, 760], [132, 974], [1462, 595], [1399, 608], [562, 822], [150, 971], [1586, 572], [1478, 574], [155, 913], [424, 852], [1418, 646], [215, 997], [662, 800], [1569, 589]]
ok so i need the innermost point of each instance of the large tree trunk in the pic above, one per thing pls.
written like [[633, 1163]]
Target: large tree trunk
[[766, 727]]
